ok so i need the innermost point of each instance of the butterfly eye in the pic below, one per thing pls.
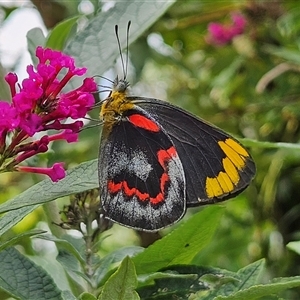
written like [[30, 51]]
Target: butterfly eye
[[121, 86]]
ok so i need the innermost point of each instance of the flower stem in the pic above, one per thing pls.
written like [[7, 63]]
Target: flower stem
[[52, 213]]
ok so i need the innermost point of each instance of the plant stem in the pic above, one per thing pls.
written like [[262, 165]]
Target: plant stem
[[52, 213]]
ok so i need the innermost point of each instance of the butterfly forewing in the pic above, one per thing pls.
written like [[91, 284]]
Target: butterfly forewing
[[216, 166], [142, 182]]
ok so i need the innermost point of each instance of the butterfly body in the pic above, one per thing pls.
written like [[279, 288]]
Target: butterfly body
[[157, 159]]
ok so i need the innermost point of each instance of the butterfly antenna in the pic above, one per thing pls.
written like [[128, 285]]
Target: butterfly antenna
[[127, 47], [120, 50], [99, 123], [103, 77]]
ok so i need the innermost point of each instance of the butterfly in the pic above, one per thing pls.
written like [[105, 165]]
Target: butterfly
[[156, 160]]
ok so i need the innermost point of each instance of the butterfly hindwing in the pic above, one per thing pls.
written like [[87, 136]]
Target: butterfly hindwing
[[216, 166], [142, 182]]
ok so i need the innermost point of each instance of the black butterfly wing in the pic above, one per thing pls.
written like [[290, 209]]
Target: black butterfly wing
[[216, 165], [142, 183]]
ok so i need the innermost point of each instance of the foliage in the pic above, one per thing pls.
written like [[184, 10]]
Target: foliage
[[248, 86]]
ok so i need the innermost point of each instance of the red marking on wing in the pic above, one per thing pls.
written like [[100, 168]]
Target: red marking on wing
[[143, 122], [163, 157]]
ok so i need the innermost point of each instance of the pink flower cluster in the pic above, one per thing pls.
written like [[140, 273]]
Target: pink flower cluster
[[220, 34], [39, 105]]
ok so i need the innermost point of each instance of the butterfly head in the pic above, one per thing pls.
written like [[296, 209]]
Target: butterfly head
[[120, 85], [116, 103]]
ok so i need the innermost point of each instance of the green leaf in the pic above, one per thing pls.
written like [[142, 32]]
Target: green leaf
[[66, 245], [163, 275], [67, 295], [182, 244], [247, 277], [276, 286], [285, 53], [22, 279], [87, 296], [226, 76], [183, 280], [269, 145], [294, 246], [35, 37], [81, 178], [112, 258], [58, 36], [167, 288], [250, 274], [122, 284], [11, 218], [73, 270], [289, 23], [17, 238], [96, 48], [71, 256]]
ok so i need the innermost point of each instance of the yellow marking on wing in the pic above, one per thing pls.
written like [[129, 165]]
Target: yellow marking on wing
[[233, 155], [225, 182], [231, 170], [213, 188], [237, 147]]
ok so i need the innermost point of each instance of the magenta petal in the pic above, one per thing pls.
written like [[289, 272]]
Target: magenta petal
[[239, 21], [220, 34], [56, 172], [12, 79], [69, 135], [9, 119], [31, 124]]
